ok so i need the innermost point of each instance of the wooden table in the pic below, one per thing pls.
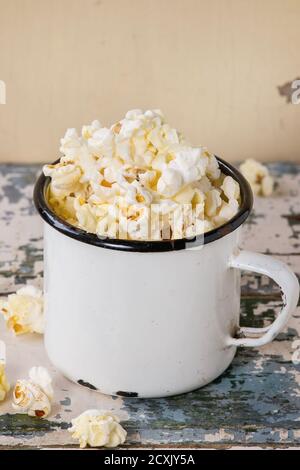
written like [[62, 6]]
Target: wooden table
[[256, 402]]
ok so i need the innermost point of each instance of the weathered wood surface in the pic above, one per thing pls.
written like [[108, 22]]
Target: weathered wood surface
[[255, 402]]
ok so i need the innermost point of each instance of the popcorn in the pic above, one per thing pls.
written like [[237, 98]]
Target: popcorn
[[226, 211], [139, 161], [40, 376], [185, 196], [147, 178], [70, 144], [267, 185], [101, 144], [134, 114], [4, 385], [86, 216], [258, 176], [230, 188], [64, 178], [34, 396], [212, 202], [23, 311], [169, 183], [190, 163], [98, 428], [88, 131], [163, 137], [212, 171]]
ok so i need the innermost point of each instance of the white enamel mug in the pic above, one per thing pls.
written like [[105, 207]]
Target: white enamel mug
[[151, 319]]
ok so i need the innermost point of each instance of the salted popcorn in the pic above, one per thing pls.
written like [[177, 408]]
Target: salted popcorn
[[41, 377], [98, 428], [4, 385], [109, 178], [258, 177], [23, 311], [34, 396]]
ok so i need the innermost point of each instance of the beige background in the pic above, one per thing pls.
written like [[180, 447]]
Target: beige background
[[213, 67]]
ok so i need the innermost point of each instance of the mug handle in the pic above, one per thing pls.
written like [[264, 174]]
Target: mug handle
[[289, 286]]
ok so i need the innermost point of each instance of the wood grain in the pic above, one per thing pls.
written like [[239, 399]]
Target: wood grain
[[256, 402]]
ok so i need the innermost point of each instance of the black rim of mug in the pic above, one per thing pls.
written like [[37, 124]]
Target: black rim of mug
[[150, 246]]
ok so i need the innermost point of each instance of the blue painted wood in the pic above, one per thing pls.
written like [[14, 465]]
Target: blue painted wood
[[256, 401]]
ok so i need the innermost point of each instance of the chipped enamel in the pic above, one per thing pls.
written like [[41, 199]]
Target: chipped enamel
[[256, 402]]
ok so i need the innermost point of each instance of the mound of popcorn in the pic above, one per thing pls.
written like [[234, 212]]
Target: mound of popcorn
[[258, 176], [23, 311], [139, 179]]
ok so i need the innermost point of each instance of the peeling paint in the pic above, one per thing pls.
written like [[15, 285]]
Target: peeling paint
[[86, 384], [255, 402], [127, 394], [26, 426], [66, 402]]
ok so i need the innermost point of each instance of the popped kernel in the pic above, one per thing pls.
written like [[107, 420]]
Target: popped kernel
[[34, 396], [212, 202], [4, 385], [98, 428], [23, 311], [257, 174], [230, 188]]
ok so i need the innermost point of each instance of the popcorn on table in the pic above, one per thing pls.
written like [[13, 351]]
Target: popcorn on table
[[34, 396], [109, 177], [23, 311], [258, 176], [4, 385], [98, 428]]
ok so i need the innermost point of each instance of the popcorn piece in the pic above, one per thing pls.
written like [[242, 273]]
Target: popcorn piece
[[64, 178], [102, 142], [147, 178], [135, 193], [143, 161], [213, 202], [70, 144], [258, 176], [226, 211], [4, 385], [40, 376], [267, 185], [190, 163], [163, 137], [98, 428], [212, 171], [29, 398], [88, 131], [169, 183], [34, 396], [134, 114], [185, 196], [23, 311], [230, 188], [86, 216]]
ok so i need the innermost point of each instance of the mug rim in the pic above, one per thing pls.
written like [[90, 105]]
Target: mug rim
[[49, 216]]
